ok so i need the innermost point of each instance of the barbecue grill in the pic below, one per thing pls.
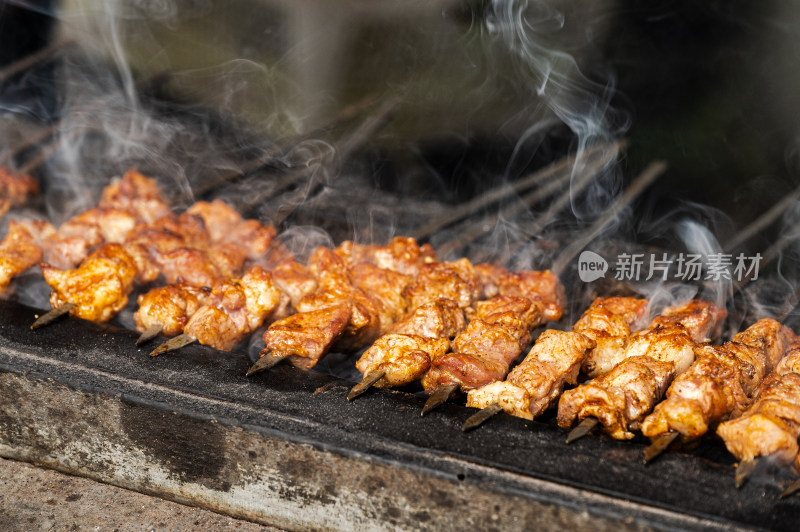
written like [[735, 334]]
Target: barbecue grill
[[285, 447]]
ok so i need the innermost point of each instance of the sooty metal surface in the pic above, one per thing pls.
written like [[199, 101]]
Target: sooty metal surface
[[286, 448]]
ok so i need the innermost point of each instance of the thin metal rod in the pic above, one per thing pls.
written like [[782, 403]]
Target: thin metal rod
[[744, 470], [794, 487], [658, 446], [554, 170], [763, 221], [150, 333], [266, 361], [172, 344], [53, 315], [365, 384], [482, 416], [653, 171], [439, 397], [480, 228], [32, 59], [583, 428]]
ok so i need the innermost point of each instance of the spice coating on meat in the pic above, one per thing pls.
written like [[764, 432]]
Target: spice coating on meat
[[531, 387], [557, 357], [497, 333], [295, 282], [385, 287], [402, 254], [437, 321], [18, 252], [721, 383], [771, 425], [621, 398], [169, 307], [544, 284], [403, 357], [234, 309], [99, 287], [449, 280], [307, 336], [609, 322], [136, 193]]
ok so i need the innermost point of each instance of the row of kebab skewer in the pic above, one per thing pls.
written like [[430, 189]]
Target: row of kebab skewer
[[453, 326]]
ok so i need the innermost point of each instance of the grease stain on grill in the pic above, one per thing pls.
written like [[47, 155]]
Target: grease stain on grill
[[193, 450]]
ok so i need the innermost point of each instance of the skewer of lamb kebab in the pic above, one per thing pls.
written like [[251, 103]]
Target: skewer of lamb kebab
[[720, 385], [556, 358], [351, 306], [498, 332], [437, 299], [621, 398], [770, 427]]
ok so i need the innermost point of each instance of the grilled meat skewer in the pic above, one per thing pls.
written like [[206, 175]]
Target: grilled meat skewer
[[621, 398], [771, 425], [556, 359], [719, 385]]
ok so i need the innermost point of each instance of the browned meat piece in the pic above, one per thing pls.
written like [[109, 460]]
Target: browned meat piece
[[771, 426], [99, 287], [188, 266], [557, 357], [489, 276], [15, 189], [385, 287], [234, 309], [18, 252], [537, 382], [609, 321], [498, 332], [189, 228], [442, 318], [295, 282], [402, 254], [169, 307], [228, 258], [218, 216], [307, 336], [417, 340], [621, 398], [59, 250], [529, 284], [403, 357], [721, 383], [137, 194], [252, 238], [450, 280]]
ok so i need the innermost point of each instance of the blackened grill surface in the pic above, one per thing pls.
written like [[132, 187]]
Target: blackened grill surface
[[382, 425]]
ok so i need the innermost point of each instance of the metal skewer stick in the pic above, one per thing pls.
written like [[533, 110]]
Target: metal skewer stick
[[763, 221], [173, 343], [744, 470], [793, 487], [554, 170], [151, 332], [266, 361], [478, 229], [271, 154], [658, 446], [583, 428], [365, 384], [653, 171], [481, 417], [32, 59], [439, 397], [52, 315]]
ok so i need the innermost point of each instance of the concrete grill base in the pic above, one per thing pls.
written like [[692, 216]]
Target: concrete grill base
[[286, 448]]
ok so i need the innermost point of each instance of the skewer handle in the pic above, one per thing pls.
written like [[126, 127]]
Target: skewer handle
[[52, 315], [365, 384], [266, 361], [481, 417], [440, 396], [583, 428], [172, 344]]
